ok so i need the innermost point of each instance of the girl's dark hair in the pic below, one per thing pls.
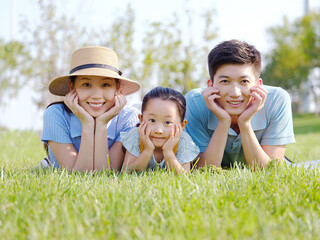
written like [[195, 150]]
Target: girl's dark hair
[[165, 93]]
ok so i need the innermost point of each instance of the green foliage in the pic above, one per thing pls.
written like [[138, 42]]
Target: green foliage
[[50, 43], [171, 56], [278, 202], [13, 56], [295, 53]]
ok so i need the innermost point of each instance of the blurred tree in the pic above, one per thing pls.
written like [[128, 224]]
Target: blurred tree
[[165, 53], [171, 55], [51, 43], [120, 37], [295, 53], [13, 56]]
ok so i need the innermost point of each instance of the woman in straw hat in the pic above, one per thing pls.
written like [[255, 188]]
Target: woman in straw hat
[[83, 133]]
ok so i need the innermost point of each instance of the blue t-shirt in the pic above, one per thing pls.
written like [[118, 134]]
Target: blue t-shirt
[[187, 150], [272, 125], [62, 126]]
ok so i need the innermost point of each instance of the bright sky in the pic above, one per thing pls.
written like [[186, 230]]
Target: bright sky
[[240, 19]]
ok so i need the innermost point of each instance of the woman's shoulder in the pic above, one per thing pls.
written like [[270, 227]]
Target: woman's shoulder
[[128, 111], [56, 110]]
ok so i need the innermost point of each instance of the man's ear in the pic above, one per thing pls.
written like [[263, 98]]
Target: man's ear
[[184, 123], [259, 82], [140, 117], [210, 83]]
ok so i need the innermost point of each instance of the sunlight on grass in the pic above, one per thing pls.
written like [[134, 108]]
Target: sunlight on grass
[[278, 202]]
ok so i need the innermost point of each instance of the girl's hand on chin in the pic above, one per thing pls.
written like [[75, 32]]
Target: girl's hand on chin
[[72, 102], [174, 138], [144, 133], [119, 102]]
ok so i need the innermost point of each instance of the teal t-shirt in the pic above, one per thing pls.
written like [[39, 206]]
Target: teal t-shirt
[[272, 125]]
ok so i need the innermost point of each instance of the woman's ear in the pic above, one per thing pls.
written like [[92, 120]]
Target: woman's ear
[[70, 84], [184, 123]]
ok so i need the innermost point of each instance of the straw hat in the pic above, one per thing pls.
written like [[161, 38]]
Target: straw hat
[[93, 61]]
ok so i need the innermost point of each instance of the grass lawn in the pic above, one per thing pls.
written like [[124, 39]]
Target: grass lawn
[[278, 202]]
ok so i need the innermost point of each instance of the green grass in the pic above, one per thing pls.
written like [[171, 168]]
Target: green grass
[[275, 203]]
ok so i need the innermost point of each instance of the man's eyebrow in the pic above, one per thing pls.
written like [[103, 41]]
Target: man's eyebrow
[[223, 76]]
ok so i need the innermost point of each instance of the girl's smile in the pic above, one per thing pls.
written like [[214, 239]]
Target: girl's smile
[[161, 117]]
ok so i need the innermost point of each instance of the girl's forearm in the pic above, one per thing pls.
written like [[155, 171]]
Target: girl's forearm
[[172, 162], [140, 163]]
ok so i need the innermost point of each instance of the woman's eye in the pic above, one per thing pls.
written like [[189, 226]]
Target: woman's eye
[[86, 84], [105, 85]]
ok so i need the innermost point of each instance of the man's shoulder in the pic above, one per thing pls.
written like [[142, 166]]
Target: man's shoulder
[[194, 93], [276, 93]]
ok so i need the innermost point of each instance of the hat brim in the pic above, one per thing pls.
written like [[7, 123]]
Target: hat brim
[[60, 86]]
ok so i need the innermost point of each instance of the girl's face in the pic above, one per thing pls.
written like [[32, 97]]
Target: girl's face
[[161, 116], [96, 94], [234, 82]]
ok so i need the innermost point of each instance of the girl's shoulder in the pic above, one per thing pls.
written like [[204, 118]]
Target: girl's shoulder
[[187, 150], [132, 135]]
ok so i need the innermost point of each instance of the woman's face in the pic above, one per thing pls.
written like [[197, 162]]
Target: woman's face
[[96, 94]]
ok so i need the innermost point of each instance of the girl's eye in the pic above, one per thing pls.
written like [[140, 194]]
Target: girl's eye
[[152, 120], [167, 122]]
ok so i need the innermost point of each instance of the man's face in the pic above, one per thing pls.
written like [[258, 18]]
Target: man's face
[[234, 82]]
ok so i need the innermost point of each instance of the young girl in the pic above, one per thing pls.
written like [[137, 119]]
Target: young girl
[[83, 133], [160, 141]]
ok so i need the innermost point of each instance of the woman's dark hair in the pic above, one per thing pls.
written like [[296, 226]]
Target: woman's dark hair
[[233, 52], [165, 93]]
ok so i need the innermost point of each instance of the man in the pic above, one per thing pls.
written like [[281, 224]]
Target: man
[[237, 119]]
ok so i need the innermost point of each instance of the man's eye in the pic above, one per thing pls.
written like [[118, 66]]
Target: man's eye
[[245, 81]]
